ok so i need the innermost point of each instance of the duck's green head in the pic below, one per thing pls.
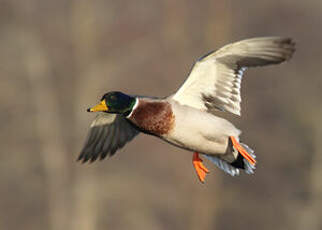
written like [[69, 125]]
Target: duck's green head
[[115, 102]]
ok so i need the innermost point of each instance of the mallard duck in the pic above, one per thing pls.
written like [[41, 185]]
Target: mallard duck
[[188, 118]]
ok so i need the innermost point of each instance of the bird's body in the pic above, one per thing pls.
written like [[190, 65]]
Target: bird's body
[[184, 126], [187, 119]]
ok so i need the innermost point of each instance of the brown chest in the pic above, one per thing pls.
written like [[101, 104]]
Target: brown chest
[[155, 117]]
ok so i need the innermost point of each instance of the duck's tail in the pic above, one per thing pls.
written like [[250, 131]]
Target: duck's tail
[[248, 164], [245, 159]]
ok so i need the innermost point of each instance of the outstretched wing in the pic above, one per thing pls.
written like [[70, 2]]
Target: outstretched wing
[[215, 79], [108, 133]]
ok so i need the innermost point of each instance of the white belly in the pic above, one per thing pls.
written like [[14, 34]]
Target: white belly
[[200, 131]]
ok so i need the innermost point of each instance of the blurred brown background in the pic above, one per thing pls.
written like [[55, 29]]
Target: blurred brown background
[[59, 57]]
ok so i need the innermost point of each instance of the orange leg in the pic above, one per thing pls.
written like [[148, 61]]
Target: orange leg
[[201, 170], [242, 151]]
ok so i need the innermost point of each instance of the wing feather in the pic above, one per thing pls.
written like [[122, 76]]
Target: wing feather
[[107, 144], [108, 133], [215, 80]]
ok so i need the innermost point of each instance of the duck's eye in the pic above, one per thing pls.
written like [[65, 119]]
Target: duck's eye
[[113, 97]]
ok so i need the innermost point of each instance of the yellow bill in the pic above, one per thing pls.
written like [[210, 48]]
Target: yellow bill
[[101, 107]]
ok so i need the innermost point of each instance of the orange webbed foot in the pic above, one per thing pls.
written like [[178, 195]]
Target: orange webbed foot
[[242, 151], [200, 169]]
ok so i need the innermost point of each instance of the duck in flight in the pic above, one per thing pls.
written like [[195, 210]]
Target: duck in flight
[[187, 119]]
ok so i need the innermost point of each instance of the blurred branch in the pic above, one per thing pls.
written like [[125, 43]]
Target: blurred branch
[[49, 132], [84, 38], [311, 213]]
